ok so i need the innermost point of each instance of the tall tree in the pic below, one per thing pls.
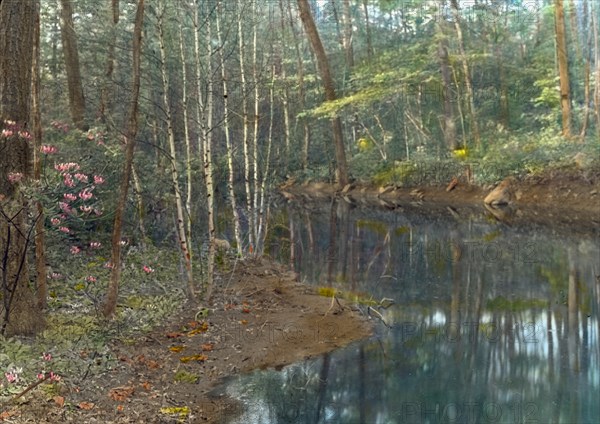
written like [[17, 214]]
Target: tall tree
[[131, 133], [36, 122], [17, 22], [182, 216], [563, 67], [329, 88], [71, 53]]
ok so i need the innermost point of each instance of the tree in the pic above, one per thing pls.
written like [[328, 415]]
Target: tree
[[131, 132], [328, 86], [17, 23], [563, 67], [74, 85]]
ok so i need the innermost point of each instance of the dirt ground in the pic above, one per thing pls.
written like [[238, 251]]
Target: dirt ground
[[262, 317]]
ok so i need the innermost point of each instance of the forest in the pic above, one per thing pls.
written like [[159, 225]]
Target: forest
[[143, 142]]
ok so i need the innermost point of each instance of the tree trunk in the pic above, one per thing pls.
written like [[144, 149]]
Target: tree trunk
[[348, 49], [245, 143], [226, 129], [368, 30], [594, 24], [184, 243], [74, 85], [449, 128], [19, 314], [301, 90], [467, 75], [208, 165], [329, 88], [36, 121], [563, 67], [105, 108], [131, 132]]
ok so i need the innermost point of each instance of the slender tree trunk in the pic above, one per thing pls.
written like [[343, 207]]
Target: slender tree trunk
[[19, 313], [74, 84], [449, 128], [140, 204], [563, 67], [586, 75], [255, 178], [467, 75], [186, 132], [245, 142], [263, 207], [208, 165], [365, 4], [228, 143], [36, 120], [348, 49], [131, 133], [594, 24], [105, 108], [329, 88], [184, 243], [301, 89]]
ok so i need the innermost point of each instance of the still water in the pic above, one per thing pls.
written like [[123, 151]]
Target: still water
[[492, 323]]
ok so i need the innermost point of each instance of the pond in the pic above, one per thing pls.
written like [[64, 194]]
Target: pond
[[491, 323]]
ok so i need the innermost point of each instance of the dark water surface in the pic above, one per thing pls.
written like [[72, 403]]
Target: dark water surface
[[492, 324]]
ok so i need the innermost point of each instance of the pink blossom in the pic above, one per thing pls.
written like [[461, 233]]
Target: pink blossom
[[11, 376], [64, 230], [123, 242], [55, 276], [55, 221], [15, 177], [7, 133], [66, 167], [46, 356], [147, 269], [41, 376], [95, 245], [90, 279], [98, 179], [98, 212], [25, 135], [86, 208], [70, 197], [81, 177], [86, 194], [65, 207], [75, 250], [109, 265], [68, 180], [48, 149], [54, 377]]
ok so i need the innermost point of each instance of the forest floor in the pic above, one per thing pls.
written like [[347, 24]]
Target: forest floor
[[569, 200], [261, 317]]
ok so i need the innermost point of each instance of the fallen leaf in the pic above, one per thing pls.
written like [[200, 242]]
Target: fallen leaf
[[246, 310], [86, 405], [201, 329], [121, 393], [243, 321], [152, 364], [193, 324], [120, 408], [199, 358], [173, 335], [207, 347], [7, 414], [176, 349], [59, 401], [146, 385]]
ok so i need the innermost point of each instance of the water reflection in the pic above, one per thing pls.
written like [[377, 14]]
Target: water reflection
[[491, 323]]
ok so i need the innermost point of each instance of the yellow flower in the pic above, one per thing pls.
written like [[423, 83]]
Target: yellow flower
[[461, 153]]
